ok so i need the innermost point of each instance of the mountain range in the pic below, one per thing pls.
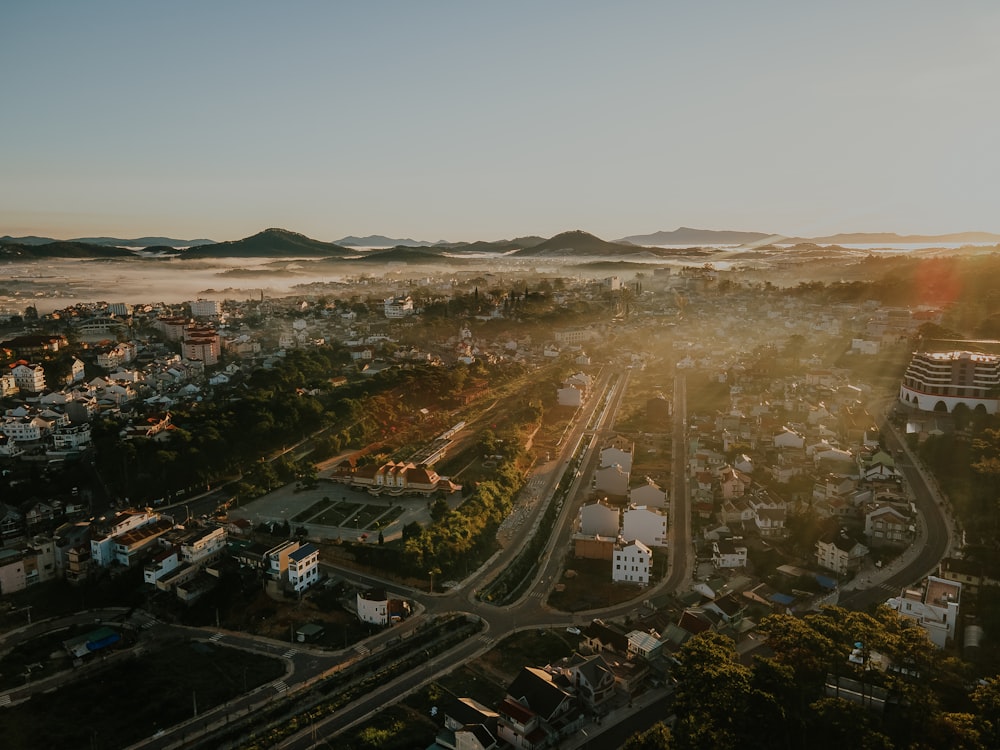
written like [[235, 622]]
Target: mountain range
[[281, 243]]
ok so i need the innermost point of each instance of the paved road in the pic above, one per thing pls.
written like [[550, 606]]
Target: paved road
[[935, 534]]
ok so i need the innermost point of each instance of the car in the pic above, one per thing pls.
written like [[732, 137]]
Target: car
[[573, 631]]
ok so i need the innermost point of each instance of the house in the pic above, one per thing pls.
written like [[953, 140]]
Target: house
[[599, 636], [11, 571], [611, 479], [733, 483], [887, 525], [599, 519], [769, 514], [643, 645], [303, 567], [468, 725], [935, 608], [615, 456], [569, 395], [839, 551], [729, 553], [632, 563], [28, 377], [649, 494], [788, 438], [534, 710], [592, 679], [398, 307], [276, 559], [376, 607], [648, 525], [104, 532]]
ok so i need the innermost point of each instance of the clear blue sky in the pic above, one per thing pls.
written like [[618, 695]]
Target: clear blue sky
[[467, 120]]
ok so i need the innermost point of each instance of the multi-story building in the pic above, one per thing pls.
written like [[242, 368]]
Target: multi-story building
[[398, 307], [729, 553], [647, 525], [172, 327], [840, 552], [205, 308], [935, 608], [303, 567], [632, 563], [939, 381], [201, 343], [28, 377], [71, 438]]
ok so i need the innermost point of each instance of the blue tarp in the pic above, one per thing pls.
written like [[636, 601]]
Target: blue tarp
[[784, 599], [826, 582]]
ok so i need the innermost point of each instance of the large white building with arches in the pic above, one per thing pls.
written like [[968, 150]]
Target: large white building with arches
[[940, 381]]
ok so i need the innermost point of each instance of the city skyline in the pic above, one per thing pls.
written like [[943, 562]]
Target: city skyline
[[456, 122]]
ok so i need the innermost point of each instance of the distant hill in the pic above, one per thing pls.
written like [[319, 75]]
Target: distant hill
[[891, 238], [271, 243], [688, 236], [60, 249], [379, 240], [143, 242], [577, 243]]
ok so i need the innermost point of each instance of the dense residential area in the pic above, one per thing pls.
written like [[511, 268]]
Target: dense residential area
[[510, 509]]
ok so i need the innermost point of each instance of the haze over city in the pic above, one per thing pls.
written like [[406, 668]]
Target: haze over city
[[463, 122]]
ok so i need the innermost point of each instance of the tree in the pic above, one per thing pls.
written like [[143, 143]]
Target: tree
[[657, 737], [712, 693]]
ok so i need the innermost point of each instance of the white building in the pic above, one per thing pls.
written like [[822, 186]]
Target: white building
[[612, 480], [632, 563], [102, 543], [398, 307], [729, 553], [205, 308], [29, 377], [935, 608], [71, 438], [649, 494], [203, 544], [614, 456], [303, 567], [646, 525], [598, 519], [935, 380], [839, 552], [569, 396]]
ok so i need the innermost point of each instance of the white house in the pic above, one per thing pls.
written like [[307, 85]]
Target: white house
[[646, 525], [303, 567], [649, 494], [614, 456], [612, 480], [398, 307], [599, 519], [376, 607], [729, 553], [935, 609], [632, 563], [569, 396], [788, 438], [840, 552], [29, 377]]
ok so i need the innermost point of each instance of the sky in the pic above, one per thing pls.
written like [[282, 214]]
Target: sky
[[464, 121]]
